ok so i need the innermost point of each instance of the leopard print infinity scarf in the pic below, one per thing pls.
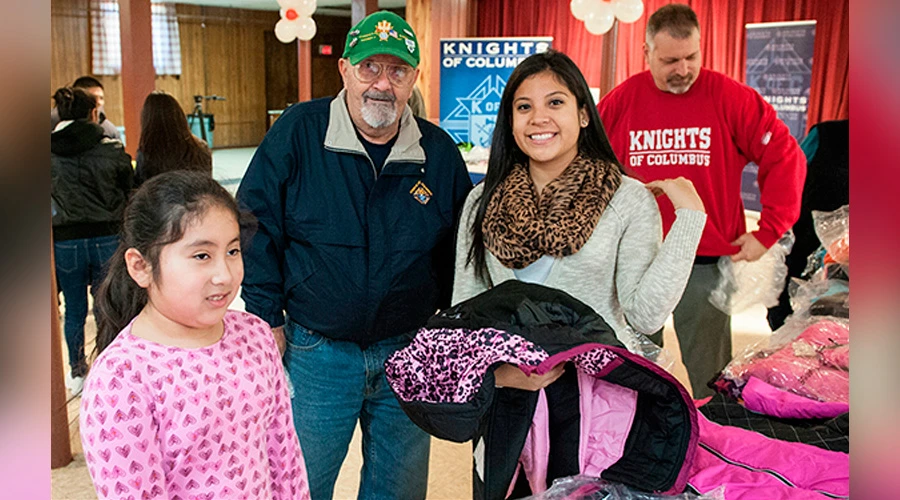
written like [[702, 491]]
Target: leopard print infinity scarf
[[518, 229]]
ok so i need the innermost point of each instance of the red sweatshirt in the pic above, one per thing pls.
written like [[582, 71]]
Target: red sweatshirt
[[708, 135]]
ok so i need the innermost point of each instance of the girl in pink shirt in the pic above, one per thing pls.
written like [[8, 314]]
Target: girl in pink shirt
[[186, 400]]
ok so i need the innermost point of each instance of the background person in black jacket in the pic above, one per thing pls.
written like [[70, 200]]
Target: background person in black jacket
[[91, 177]]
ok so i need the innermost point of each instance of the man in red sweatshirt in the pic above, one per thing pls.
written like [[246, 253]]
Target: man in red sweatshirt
[[678, 119]]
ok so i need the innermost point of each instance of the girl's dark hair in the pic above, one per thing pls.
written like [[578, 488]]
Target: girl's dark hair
[[505, 153], [166, 142], [74, 103], [156, 216]]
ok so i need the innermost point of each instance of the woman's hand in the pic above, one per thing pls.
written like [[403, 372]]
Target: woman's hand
[[507, 375], [680, 191]]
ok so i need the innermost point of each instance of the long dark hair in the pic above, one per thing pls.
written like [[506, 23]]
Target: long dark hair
[[505, 153], [166, 142], [156, 216], [74, 103]]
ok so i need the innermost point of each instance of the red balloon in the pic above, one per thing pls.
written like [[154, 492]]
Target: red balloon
[[290, 14]]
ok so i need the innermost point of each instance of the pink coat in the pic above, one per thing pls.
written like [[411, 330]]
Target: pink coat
[[753, 466]]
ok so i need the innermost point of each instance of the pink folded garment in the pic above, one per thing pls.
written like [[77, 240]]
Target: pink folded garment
[[814, 365], [764, 398], [839, 357], [826, 333]]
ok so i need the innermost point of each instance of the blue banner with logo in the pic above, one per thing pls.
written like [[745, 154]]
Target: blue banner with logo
[[779, 67], [473, 75]]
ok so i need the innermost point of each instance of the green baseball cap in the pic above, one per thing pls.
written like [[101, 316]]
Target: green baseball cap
[[382, 32]]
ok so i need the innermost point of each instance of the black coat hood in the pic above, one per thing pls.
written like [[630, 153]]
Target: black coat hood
[[75, 138]]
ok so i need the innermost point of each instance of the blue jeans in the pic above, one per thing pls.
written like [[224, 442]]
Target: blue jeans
[[335, 384], [80, 263]]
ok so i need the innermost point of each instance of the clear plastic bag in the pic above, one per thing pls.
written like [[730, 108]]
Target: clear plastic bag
[[591, 488], [641, 344], [476, 158], [743, 284], [808, 356], [833, 230], [821, 296]]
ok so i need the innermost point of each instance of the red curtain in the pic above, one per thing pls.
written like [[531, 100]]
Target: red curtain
[[722, 39]]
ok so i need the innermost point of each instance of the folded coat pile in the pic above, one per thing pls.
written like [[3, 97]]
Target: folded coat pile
[[613, 414]]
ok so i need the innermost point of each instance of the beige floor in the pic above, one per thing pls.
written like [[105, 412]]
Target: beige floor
[[450, 474]]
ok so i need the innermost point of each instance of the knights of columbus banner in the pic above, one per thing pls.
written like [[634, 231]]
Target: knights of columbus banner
[[779, 67], [473, 75]]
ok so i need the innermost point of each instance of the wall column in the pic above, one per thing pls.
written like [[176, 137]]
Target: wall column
[[608, 59], [138, 75], [433, 20], [304, 70], [60, 447], [359, 9]]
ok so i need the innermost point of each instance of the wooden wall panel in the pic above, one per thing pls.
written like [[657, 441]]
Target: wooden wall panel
[[192, 80], [418, 15], [433, 20], [330, 30], [241, 119], [281, 72], [222, 53], [112, 92], [71, 51], [70, 55]]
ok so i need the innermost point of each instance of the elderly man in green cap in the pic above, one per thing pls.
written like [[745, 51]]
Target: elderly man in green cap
[[356, 201]]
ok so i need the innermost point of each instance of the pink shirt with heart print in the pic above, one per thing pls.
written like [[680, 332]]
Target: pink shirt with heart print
[[215, 422]]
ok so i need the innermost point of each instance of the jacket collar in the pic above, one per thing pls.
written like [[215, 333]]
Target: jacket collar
[[341, 134]]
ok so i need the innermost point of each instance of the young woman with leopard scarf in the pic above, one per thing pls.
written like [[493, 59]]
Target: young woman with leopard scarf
[[555, 209]]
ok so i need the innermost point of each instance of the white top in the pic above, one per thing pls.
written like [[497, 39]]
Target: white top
[[537, 271], [625, 272]]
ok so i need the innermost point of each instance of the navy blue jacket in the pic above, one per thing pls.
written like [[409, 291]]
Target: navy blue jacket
[[349, 254]]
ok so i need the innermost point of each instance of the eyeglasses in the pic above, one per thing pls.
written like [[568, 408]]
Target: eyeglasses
[[398, 74]]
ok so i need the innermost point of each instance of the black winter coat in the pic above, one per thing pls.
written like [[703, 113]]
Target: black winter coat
[[91, 177], [444, 381]]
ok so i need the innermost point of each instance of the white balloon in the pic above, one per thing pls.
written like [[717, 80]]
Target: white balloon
[[580, 8], [628, 11], [301, 8], [306, 29], [285, 31], [306, 8], [600, 19], [287, 4]]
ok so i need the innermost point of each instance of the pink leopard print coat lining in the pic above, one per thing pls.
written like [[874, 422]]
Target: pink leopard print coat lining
[[449, 365]]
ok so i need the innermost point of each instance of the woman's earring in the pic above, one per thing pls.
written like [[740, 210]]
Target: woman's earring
[[584, 123]]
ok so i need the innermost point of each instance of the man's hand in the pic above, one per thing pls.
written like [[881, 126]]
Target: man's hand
[[507, 375], [280, 341], [751, 248]]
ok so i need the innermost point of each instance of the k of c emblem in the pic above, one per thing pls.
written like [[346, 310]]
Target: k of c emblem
[[421, 192]]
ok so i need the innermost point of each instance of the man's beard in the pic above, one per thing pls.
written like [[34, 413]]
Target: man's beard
[[680, 85], [379, 114]]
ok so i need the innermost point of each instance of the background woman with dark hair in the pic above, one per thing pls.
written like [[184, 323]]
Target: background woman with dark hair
[[91, 177], [166, 141], [555, 209]]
